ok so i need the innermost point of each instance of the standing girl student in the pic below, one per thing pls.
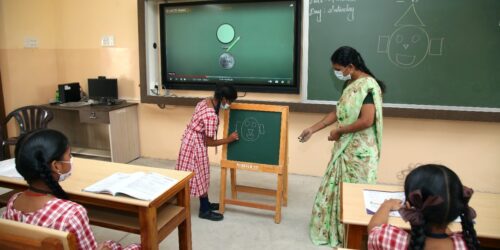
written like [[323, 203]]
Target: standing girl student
[[43, 159], [358, 136], [201, 133], [435, 197]]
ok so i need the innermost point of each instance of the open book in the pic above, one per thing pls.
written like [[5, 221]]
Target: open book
[[8, 169], [373, 199], [140, 185]]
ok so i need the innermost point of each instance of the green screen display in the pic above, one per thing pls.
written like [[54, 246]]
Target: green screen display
[[250, 44]]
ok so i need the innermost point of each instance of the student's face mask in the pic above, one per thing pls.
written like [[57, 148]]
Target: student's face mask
[[225, 106], [65, 176]]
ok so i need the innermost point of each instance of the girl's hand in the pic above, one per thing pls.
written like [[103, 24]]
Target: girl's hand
[[102, 246], [392, 204], [233, 137], [334, 135]]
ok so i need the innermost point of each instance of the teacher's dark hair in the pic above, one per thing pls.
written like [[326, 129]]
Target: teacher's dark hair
[[439, 181], [346, 55], [224, 91], [35, 152]]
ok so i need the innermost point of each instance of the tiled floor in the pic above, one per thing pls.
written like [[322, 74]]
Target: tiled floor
[[242, 228]]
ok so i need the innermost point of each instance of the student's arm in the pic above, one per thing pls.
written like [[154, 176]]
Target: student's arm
[[210, 142], [364, 121], [382, 214], [329, 119]]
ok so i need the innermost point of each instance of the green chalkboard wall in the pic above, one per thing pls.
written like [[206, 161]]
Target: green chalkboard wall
[[259, 133], [443, 53]]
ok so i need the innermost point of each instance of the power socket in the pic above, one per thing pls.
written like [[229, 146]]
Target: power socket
[[108, 41]]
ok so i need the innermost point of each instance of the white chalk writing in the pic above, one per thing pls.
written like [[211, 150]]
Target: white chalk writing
[[318, 8]]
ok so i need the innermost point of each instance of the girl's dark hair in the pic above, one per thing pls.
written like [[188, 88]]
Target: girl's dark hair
[[224, 91], [35, 152], [346, 55], [438, 180]]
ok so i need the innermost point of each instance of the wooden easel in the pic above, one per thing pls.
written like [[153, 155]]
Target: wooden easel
[[281, 192]]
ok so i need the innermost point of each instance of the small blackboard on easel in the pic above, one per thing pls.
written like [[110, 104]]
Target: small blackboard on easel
[[262, 147]]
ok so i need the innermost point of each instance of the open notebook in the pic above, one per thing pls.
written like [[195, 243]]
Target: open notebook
[[139, 185]]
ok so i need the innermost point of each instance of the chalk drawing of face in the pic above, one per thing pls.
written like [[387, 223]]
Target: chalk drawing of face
[[251, 129], [408, 46]]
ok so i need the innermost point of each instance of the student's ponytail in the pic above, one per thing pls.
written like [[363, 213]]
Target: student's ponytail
[[417, 240], [466, 216], [46, 176]]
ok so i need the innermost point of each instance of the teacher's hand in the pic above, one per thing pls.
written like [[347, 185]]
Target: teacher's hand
[[334, 135], [305, 135]]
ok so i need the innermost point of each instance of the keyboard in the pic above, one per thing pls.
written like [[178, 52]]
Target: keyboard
[[74, 104]]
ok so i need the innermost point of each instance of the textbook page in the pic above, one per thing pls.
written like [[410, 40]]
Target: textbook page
[[148, 187], [373, 199], [113, 183], [8, 168]]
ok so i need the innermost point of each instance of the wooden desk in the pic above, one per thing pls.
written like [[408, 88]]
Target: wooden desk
[[153, 220], [355, 218], [110, 132]]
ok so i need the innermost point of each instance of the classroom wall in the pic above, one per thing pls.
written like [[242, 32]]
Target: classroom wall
[[69, 33]]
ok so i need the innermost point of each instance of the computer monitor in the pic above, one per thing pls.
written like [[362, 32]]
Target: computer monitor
[[103, 89]]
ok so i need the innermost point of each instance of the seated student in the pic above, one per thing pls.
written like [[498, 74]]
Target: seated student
[[435, 197], [43, 158]]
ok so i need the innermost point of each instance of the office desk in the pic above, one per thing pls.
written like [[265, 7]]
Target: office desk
[[109, 132], [355, 218], [153, 220]]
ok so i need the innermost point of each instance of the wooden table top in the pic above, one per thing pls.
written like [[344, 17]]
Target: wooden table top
[[487, 206], [86, 172]]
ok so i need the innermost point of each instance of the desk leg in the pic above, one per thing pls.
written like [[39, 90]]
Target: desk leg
[[149, 232], [222, 198], [354, 236], [185, 227]]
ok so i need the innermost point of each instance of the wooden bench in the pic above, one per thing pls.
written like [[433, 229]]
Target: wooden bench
[[22, 236]]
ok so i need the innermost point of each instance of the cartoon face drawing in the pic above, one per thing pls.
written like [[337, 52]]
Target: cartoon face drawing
[[251, 129], [408, 46]]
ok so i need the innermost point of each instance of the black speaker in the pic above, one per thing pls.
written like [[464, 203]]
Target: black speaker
[[69, 92]]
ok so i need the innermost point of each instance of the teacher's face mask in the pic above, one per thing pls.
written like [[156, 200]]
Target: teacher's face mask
[[341, 76]]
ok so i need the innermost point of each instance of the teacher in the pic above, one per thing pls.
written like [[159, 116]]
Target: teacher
[[358, 136]]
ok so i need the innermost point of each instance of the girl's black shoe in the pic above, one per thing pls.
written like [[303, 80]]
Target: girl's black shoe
[[209, 215], [214, 206]]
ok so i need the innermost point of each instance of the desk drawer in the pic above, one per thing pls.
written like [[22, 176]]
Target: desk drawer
[[92, 116]]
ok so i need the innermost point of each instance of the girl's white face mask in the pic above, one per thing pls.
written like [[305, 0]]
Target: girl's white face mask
[[225, 106], [341, 76], [65, 176]]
